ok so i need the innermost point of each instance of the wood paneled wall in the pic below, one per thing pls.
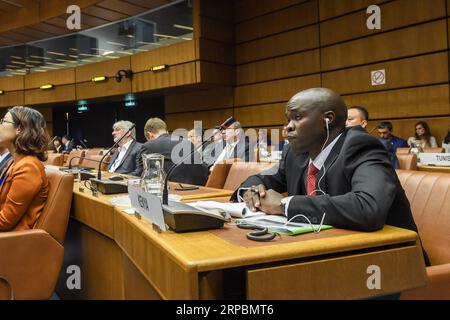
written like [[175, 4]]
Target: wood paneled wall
[[248, 57], [278, 54], [215, 69]]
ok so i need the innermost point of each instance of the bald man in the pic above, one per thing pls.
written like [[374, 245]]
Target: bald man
[[357, 116], [327, 168]]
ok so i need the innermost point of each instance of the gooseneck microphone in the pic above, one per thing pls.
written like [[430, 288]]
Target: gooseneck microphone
[[165, 198], [225, 125], [99, 175], [77, 157], [51, 141]]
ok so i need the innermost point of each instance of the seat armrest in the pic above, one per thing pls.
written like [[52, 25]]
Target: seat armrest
[[30, 262], [437, 288]]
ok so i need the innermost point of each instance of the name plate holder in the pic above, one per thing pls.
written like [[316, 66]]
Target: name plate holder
[[435, 159], [147, 205]]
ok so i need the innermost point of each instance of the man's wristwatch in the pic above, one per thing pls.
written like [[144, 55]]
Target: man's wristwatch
[[283, 205]]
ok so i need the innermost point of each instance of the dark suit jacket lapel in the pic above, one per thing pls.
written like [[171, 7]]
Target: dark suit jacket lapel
[[113, 158], [334, 153], [300, 163]]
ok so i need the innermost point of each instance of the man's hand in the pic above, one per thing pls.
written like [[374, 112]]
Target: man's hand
[[253, 196], [258, 198], [270, 204]]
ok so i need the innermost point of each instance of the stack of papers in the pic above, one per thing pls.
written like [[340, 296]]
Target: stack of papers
[[278, 224], [237, 210]]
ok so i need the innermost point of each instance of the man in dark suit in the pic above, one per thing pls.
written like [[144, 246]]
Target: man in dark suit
[[126, 158], [191, 171], [237, 146], [390, 142], [328, 169], [357, 116], [68, 143]]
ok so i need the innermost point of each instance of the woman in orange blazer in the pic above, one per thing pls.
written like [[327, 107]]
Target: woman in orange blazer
[[23, 182]]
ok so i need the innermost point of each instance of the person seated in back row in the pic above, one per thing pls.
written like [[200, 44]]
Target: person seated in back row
[[237, 145], [422, 137], [357, 116], [126, 158], [191, 171], [68, 142], [390, 142]]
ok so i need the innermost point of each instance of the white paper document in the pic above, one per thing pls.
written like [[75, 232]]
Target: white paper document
[[278, 223], [121, 201], [237, 210]]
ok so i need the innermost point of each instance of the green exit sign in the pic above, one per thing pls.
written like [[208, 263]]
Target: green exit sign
[[130, 104]]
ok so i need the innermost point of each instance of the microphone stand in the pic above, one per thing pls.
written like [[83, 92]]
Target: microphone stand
[[99, 175], [223, 126], [109, 187]]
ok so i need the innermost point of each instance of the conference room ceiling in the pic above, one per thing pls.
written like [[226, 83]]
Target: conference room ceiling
[[109, 29], [91, 16]]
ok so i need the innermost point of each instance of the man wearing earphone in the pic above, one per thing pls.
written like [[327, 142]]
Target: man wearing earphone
[[327, 168]]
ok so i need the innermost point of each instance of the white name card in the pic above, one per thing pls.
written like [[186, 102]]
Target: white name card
[[436, 159], [147, 205]]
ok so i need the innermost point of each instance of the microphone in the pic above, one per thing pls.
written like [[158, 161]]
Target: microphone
[[226, 124], [99, 175], [109, 187], [77, 157], [83, 175], [223, 126], [83, 143], [51, 141]]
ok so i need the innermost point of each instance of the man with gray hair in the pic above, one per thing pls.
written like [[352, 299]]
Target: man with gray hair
[[126, 158]]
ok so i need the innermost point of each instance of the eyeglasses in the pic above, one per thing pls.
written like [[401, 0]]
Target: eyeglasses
[[3, 121]]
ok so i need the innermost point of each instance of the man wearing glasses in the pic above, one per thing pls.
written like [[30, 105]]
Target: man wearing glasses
[[236, 145]]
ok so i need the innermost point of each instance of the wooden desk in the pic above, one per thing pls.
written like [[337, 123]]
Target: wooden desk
[[421, 167], [129, 260], [90, 243]]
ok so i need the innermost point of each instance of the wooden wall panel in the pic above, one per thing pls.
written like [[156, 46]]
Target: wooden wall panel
[[210, 28], [58, 94], [186, 120], [415, 40], [256, 116], [175, 54], [217, 98], [421, 70], [12, 98], [283, 43], [278, 21], [218, 10], [273, 91], [11, 83], [55, 77], [105, 68], [177, 75], [393, 15], [332, 8], [213, 20], [280, 67], [88, 90], [214, 51], [414, 102], [247, 9], [214, 73]]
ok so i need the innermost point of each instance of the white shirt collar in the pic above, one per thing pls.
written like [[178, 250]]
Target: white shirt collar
[[322, 156], [4, 155], [126, 145]]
